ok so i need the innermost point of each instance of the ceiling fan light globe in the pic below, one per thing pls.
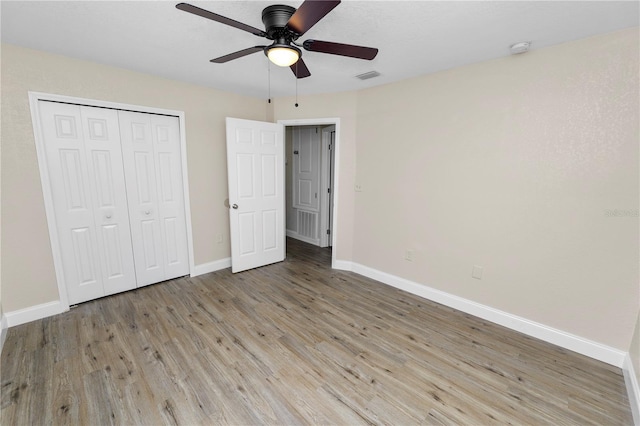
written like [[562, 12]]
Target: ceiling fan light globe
[[283, 56]]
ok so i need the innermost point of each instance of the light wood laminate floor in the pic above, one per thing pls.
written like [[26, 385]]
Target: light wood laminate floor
[[293, 343]]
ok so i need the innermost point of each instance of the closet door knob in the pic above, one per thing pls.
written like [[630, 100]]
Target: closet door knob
[[235, 206], [108, 216], [148, 212]]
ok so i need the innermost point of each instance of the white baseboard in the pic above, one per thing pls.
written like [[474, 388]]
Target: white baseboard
[[633, 388], [3, 333], [216, 265], [34, 313], [294, 234], [531, 328], [343, 265]]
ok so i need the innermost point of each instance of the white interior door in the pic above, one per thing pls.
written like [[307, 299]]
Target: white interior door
[[306, 168], [255, 167], [83, 155], [151, 149]]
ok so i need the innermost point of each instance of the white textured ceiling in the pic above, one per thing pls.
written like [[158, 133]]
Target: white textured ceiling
[[414, 37]]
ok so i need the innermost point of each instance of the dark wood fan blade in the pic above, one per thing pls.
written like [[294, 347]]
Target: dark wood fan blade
[[349, 50], [238, 54], [219, 18], [300, 69], [309, 13]]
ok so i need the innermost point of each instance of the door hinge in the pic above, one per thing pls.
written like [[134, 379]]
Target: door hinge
[[295, 152], [328, 231], [316, 130], [328, 190]]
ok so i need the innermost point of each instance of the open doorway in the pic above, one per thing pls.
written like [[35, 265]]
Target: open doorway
[[309, 183], [311, 180]]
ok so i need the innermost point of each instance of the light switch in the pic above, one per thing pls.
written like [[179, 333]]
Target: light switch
[[476, 272]]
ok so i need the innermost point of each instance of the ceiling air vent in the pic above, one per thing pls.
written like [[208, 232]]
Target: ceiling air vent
[[368, 75]]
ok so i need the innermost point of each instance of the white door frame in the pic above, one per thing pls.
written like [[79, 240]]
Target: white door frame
[[336, 172], [326, 156], [34, 98]]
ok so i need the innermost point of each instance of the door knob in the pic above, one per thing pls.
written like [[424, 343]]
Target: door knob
[[235, 206], [148, 212], [108, 216]]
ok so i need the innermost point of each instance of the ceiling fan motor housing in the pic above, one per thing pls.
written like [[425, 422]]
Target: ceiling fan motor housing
[[275, 20]]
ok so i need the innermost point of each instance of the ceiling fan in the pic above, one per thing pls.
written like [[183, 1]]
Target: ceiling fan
[[284, 25]]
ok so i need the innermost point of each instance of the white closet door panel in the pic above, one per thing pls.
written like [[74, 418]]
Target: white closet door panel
[[82, 243], [153, 171], [171, 233], [111, 215], [171, 209], [118, 197], [140, 177], [150, 237], [72, 198], [115, 266]]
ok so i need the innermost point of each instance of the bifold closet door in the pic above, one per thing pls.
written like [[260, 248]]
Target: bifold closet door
[[84, 162], [153, 174]]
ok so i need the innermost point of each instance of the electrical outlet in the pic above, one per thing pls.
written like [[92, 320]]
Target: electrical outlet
[[409, 255], [476, 272]]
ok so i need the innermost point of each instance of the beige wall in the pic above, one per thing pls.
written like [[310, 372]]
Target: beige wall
[[511, 165], [28, 276]]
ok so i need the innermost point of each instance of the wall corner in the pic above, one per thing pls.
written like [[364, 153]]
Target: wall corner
[[633, 388], [3, 333]]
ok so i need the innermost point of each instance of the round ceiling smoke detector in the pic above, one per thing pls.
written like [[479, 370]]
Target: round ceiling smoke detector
[[521, 47]]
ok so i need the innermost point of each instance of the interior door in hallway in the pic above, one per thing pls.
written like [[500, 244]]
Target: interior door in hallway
[[255, 167], [306, 168]]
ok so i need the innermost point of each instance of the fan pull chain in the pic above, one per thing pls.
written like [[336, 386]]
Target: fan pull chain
[[297, 84], [269, 77]]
